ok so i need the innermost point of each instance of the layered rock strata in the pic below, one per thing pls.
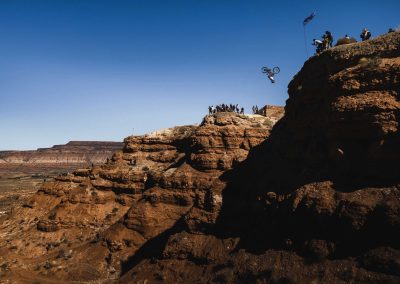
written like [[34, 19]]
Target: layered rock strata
[[94, 223], [73, 153]]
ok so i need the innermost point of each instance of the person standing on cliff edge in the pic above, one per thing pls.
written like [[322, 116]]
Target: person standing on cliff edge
[[329, 38], [365, 34]]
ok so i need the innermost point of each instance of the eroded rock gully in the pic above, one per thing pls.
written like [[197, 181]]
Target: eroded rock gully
[[318, 201]]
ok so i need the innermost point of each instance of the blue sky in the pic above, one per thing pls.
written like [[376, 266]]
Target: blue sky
[[102, 70]]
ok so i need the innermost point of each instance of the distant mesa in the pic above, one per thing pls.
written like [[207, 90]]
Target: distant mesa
[[72, 153]]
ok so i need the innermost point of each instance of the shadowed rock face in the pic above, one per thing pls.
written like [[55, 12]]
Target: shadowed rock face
[[96, 223]]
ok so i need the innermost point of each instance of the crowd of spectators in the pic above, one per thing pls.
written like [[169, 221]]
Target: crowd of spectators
[[225, 108]]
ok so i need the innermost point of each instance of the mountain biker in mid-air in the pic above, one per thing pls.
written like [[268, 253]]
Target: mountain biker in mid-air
[[270, 73]]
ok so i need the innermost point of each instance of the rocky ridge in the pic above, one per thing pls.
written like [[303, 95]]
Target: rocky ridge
[[89, 224]]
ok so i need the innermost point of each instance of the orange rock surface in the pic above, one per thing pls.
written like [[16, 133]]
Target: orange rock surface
[[87, 225]]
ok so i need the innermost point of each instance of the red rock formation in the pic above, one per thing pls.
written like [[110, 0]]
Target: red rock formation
[[23, 172], [316, 202], [102, 215], [319, 200], [273, 112]]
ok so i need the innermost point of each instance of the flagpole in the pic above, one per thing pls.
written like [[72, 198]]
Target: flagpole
[[305, 22], [305, 40]]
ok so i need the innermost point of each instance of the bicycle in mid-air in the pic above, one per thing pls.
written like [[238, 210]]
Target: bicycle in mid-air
[[271, 72]]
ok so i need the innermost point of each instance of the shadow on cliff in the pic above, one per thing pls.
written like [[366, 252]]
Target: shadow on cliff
[[265, 170], [153, 248], [275, 166]]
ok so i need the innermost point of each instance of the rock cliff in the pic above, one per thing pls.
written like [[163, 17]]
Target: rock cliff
[[314, 200], [90, 224], [319, 200]]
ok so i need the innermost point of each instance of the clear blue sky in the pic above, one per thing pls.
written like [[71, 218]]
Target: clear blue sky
[[96, 70]]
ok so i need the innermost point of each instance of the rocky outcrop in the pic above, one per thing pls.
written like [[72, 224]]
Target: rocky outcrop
[[106, 216], [317, 202], [272, 112]]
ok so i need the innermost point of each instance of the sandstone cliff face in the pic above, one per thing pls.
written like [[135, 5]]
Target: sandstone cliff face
[[317, 202], [95, 222]]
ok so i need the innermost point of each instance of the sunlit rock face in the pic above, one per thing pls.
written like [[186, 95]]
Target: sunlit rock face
[[88, 224]]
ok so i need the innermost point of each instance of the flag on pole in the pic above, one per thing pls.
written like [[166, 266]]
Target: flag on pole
[[308, 19]]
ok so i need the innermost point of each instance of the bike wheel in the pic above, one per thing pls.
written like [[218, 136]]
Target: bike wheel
[[264, 69], [276, 70]]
